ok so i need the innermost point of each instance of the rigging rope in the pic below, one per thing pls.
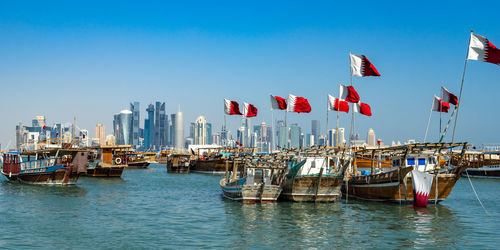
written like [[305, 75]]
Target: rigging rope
[[473, 189]]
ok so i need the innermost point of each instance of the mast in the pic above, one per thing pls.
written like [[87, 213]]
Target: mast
[[461, 88]]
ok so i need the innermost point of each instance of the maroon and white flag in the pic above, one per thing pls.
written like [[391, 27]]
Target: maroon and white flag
[[231, 107], [422, 183], [337, 104], [362, 108], [278, 102], [298, 104], [440, 106], [249, 110], [448, 96], [482, 49], [361, 66], [348, 93]]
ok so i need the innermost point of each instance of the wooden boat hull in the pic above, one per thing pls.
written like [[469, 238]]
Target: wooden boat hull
[[178, 169], [162, 160], [486, 172], [138, 165], [303, 188], [260, 193], [105, 172], [59, 177], [390, 187], [231, 190], [211, 166]]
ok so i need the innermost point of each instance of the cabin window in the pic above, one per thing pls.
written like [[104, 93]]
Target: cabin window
[[395, 163], [410, 161], [432, 160], [313, 164], [421, 161]]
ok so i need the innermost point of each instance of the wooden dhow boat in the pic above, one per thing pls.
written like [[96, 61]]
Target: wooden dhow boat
[[254, 179], [55, 166], [107, 161], [395, 184], [316, 176], [139, 160], [178, 162]]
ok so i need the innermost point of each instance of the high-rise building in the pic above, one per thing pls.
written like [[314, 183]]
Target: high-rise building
[[216, 139], [149, 127], [209, 133], [100, 131], [200, 134], [370, 138], [294, 136], [283, 137], [341, 137], [134, 129], [331, 137], [315, 130], [124, 128], [178, 130], [161, 126], [309, 140]]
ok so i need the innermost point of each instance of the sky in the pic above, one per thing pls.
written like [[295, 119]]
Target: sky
[[90, 59]]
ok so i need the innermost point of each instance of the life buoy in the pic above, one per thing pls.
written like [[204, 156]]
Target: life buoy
[[118, 160]]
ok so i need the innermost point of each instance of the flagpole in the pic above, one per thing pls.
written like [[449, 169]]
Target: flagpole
[[429, 120], [225, 131], [448, 124], [461, 88], [338, 117], [440, 111], [327, 121], [273, 144]]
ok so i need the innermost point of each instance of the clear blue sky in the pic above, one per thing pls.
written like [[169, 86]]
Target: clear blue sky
[[90, 59]]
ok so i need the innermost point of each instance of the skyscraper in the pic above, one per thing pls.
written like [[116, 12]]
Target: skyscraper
[[200, 135], [294, 136], [125, 127], [134, 129], [370, 138], [149, 127], [161, 126], [178, 130], [283, 137], [100, 131], [315, 130]]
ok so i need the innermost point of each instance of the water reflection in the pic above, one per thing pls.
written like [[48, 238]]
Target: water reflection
[[20, 189]]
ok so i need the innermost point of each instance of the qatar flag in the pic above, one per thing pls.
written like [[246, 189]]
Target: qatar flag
[[298, 104], [361, 66], [278, 102], [422, 183], [448, 96], [231, 107], [337, 104], [249, 110], [482, 49], [440, 106], [348, 93], [362, 108]]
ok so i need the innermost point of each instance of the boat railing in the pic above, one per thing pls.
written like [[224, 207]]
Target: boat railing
[[38, 164]]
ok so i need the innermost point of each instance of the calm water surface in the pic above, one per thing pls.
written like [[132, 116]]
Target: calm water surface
[[153, 209]]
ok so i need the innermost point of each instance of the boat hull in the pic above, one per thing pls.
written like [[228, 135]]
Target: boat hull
[[231, 190], [260, 193], [303, 188], [211, 166], [138, 165], [105, 172], [178, 169], [62, 177], [389, 187], [485, 172]]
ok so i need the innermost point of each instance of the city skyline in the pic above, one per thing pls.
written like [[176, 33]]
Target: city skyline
[[189, 57]]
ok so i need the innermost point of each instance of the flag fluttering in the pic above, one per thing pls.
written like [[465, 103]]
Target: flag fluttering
[[482, 49], [440, 106], [249, 110], [337, 104], [362, 108], [298, 104], [361, 66], [348, 93], [448, 96], [231, 107], [278, 102]]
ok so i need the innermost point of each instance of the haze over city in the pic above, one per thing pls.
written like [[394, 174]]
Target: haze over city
[[91, 59]]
